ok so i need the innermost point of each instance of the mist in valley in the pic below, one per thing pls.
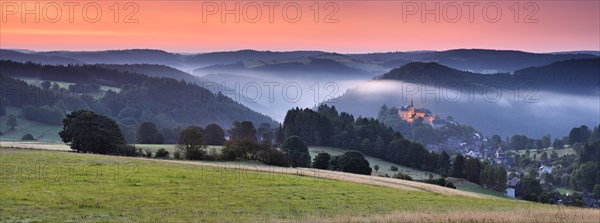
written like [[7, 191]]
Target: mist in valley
[[532, 112]]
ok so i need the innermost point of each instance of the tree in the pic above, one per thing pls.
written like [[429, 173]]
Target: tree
[[495, 141], [2, 108], [244, 149], [191, 143], [351, 162], [243, 130], [86, 131], [376, 167], [11, 121], [394, 168], [519, 142], [443, 163], [579, 135], [532, 190], [248, 149], [27, 137], [296, 151], [596, 191], [586, 176], [545, 142], [554, 155], [544, 156], [162, 153], [265, 133], [147, 133], [46, 85], [321, 161], [458, 166], [214, 135], [472, 170], [557, 144]]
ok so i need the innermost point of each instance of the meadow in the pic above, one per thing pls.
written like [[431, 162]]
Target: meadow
[[52, 186], [40, 131]]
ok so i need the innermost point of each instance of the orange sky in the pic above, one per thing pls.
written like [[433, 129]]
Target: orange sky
[[362, 26]]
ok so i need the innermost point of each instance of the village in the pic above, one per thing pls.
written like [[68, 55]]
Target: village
[[477, 146]]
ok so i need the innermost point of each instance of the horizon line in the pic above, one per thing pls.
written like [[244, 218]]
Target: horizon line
[[295, 50]]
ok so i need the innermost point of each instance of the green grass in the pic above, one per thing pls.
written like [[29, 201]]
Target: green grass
[[84, 188], [464, 185], [564, 191], [560, 151], [40, 131]]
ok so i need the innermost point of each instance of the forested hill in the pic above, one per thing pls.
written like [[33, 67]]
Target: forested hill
[[578, 76], [129, 98]]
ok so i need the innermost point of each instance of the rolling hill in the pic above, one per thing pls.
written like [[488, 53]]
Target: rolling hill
[[195, 191], [506, 104]]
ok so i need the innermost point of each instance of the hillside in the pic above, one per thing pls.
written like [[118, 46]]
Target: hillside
[[479, 60], [300, 67], [578, 76], [167, 102], [567, 92], [476, 60], [221, 192], [155, 70]]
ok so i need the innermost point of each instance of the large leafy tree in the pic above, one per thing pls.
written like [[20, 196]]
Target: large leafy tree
[[458, 167], [321, 161], [351, 162], [86, 131], [243, 130], [191, 143], [214, 135], [297, 151], [147, 133], [11, 121]]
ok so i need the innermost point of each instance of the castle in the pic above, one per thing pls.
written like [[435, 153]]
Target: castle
[[410, 114]]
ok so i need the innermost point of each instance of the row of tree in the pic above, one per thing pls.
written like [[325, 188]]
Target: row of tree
[[327, 127], [486, 174]]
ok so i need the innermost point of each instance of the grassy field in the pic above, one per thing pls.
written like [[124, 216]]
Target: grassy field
[[464, 185], [561, 152], [65, 85], [94, 188], [40, 131], [384, 165]]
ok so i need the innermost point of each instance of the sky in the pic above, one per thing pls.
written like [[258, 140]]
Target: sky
[[340, 26]]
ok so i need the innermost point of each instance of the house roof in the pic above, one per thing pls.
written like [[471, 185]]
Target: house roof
[[513, 182]]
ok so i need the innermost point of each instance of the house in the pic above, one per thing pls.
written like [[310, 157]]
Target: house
[[510, 192], [545, 169], [500, 153], [512, 185]]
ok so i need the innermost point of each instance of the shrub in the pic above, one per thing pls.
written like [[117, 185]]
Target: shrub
[[351, 162], [440, 182], [321, 161], [394, 168], [161, 154], [296, 151], [191, 143], [402, 176], [177, 155], [27, 137], [147, 153]]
